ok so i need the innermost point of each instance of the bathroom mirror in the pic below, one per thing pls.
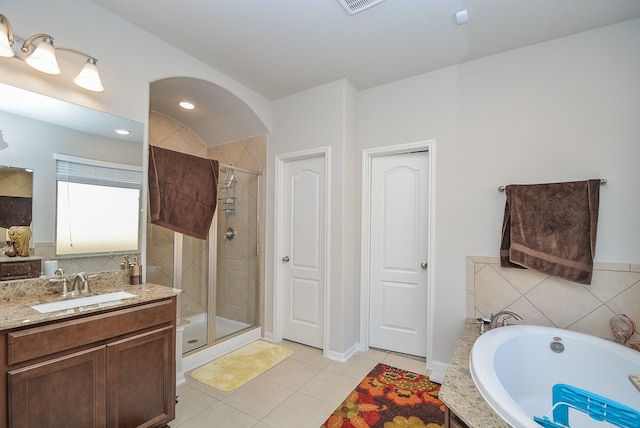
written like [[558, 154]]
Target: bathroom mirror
[[35, 128]]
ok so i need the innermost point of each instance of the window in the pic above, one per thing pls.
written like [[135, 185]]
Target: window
[[98, 206]]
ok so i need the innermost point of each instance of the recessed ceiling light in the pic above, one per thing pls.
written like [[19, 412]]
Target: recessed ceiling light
[[187, 105], [123, 132]]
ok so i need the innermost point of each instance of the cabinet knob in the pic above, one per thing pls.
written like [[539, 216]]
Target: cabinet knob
[[285, 259]]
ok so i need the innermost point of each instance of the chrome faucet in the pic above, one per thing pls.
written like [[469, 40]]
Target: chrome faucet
[[80, 278], [58, 276], [635, 380], [505, 316]]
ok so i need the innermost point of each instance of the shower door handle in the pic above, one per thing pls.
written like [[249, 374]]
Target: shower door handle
[[285, 259]]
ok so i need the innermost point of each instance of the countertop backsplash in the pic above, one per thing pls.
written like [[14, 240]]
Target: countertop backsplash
[[545, 300]]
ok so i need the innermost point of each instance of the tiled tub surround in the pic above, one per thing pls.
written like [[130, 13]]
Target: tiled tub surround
[[17, 297], [458, 391], [545, 300]]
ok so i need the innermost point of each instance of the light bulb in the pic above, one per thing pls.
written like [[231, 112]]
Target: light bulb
[[44, 57], [89, 78], [5, 46]]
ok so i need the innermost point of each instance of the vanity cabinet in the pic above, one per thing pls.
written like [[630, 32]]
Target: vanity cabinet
[[111, 369], [451, 420]]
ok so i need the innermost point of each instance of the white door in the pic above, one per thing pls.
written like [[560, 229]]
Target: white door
[[302, 258], [399, 243]]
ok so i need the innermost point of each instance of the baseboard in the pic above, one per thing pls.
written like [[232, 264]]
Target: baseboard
[[344, 356], [268, 336], [437, 371]]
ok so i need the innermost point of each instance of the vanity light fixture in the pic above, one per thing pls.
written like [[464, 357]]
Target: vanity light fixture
[[187, 105], [42, 55]]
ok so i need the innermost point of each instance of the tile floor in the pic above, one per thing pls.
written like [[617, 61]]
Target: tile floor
[[300, 392]]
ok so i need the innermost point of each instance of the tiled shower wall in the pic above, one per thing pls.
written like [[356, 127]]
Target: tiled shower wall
[[247, 154], [545, 300]]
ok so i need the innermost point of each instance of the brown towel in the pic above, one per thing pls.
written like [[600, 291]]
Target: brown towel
[[552, 228], [183, 191]]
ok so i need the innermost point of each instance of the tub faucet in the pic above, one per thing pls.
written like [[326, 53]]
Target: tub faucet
[[505, 316], [635, 380]]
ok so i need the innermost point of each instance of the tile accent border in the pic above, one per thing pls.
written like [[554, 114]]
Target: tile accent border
[[546, 300]]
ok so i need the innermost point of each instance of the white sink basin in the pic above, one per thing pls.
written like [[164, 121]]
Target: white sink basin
[[107, 299]]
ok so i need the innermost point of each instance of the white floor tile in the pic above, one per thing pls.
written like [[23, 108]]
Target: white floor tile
[[292, 373], [221, 415], [355, 367], [311, 356], [299, 410], [258, 397], [190, 403], [329, 387]]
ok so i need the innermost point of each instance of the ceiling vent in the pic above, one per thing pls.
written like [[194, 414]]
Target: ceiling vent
[[354, 6]]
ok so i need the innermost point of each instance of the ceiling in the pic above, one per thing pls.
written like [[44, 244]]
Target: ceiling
[[280, 47]]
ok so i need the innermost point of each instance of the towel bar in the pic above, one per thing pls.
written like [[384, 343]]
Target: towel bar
[[603, 181]]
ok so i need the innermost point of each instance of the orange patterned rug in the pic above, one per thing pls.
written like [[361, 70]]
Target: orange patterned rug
[[390, 398]]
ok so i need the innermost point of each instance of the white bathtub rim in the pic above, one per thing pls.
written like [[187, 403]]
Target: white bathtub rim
[[482, 368]]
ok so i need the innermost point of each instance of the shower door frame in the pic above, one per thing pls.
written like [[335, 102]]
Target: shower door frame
[[212, 267]]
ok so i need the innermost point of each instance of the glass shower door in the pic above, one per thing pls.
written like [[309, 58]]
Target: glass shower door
[[194, 298], [237, 262]]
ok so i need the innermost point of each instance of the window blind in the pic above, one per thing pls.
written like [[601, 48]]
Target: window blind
[[90, 171]]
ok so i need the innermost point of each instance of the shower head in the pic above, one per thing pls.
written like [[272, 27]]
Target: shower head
[[230, 181]]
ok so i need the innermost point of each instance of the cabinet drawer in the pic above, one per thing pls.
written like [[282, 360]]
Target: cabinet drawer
[[46, 340]]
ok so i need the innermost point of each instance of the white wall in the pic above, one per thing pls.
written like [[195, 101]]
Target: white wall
[[564, 110], [323, 117]]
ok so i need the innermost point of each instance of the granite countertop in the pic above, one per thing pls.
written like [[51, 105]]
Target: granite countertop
[[17, 297], [459, 393]]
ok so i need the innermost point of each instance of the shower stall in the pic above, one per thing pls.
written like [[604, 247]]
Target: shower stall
[[219, 276]]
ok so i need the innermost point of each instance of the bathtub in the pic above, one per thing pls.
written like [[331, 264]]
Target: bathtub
[[515, 370]]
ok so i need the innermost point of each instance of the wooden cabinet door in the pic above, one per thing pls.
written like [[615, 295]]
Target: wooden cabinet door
[[63, 392], [141, 388]]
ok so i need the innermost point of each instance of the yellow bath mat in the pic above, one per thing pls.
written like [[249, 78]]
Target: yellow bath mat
[[240, 366]]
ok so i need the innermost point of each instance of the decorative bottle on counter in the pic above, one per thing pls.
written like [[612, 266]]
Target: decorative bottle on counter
[[135, 272], [10, 249]]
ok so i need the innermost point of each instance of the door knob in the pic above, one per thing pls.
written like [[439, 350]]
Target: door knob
[[285, 259], [423, 265]]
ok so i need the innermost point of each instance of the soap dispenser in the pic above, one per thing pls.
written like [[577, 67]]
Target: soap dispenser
[[135, 272]]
